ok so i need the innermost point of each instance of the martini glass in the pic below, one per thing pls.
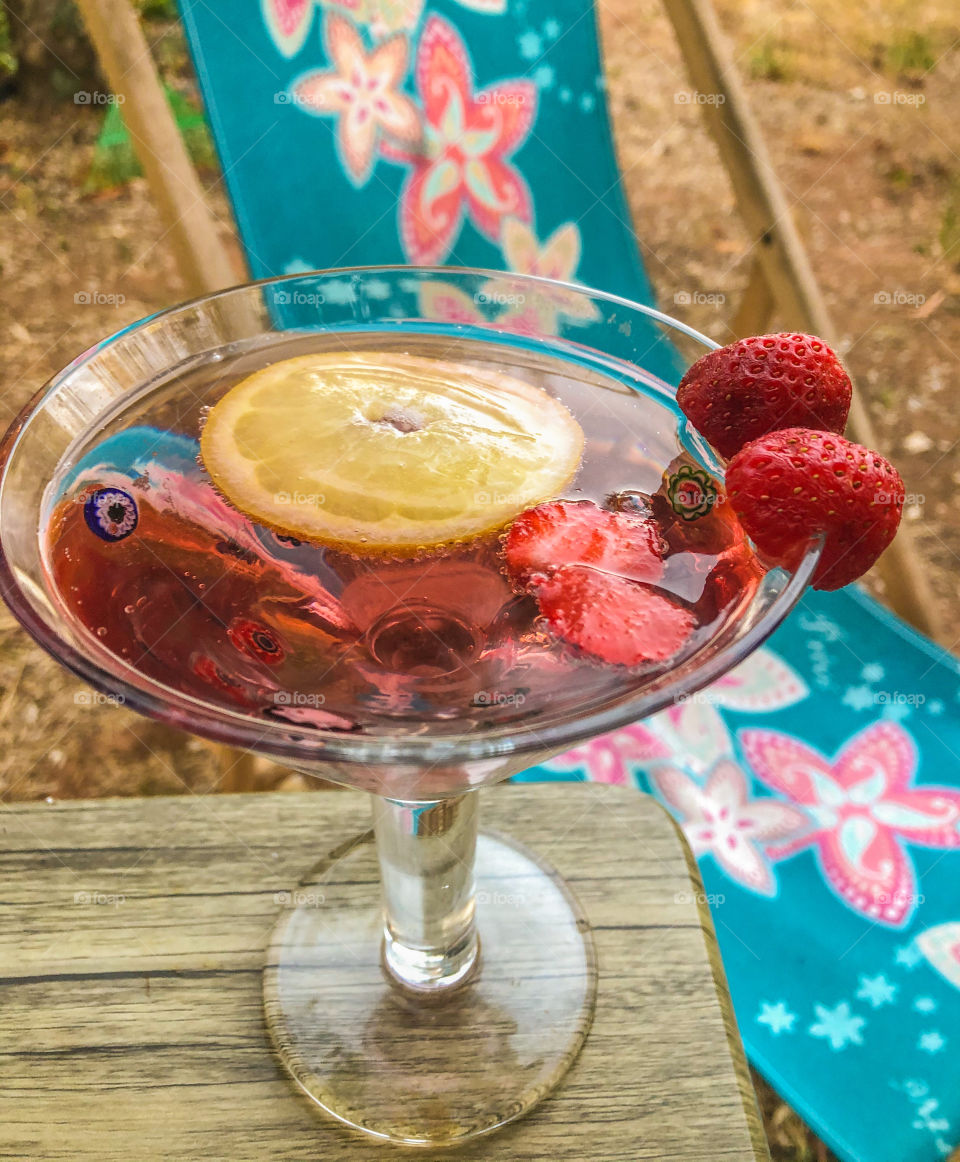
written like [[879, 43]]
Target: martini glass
[[454, 999]]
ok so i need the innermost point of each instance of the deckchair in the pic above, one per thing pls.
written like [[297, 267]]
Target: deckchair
[[842, 942]]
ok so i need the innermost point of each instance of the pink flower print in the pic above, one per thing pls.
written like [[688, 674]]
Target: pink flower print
[[445, 303], [361, 91], [556, 259], [762, 682], [941, 946], [463, 167], [442, 302], [607, 759], [288, 22], [720, 819], [864, 809]]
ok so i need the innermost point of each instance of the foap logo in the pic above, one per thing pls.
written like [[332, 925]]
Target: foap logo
[[500, 899], [714, 899], [699, 298], [99, 899], [505, 499], [85, 97], [899, 298], [500, 300], [97, 298], [299, 899], [497, 97], [294, 298], [898, 698], [317, 100], [904, 499], [499, 698], [95, 698], [695, 97], [304, 499], [899, 97], [700, 698], [298, 698]]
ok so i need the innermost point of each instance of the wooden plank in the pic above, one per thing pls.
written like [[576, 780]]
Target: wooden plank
[[190, 227], [130, 967], [785, 262], [756, 308]]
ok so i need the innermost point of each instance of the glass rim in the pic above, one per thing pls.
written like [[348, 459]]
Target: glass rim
[[317, 745]]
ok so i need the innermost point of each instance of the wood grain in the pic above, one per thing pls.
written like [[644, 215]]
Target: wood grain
[[130, 965]]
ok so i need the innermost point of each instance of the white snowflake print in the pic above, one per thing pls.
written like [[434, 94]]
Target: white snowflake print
[[777, 1018], [931, 1041], [839, 1026], [877, 990]]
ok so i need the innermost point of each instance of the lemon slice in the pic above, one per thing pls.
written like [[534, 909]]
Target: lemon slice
[[387, 452]]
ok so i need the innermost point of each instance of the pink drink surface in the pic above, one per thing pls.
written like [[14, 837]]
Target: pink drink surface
[[202, 600]]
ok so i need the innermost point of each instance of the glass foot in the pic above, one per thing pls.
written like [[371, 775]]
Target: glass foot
[[432, 1071]]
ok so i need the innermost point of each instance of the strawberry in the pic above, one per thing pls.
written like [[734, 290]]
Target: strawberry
[[579, 532], [762, 384], [788, 486], [618, 621]]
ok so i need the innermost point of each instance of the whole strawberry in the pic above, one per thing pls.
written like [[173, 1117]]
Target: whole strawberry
[[762, 384], [788, 486]]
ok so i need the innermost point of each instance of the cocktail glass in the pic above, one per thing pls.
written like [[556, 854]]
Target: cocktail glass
[[456, 1000]]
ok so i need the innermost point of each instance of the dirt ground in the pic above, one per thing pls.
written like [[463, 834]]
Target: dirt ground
[[860, 107]]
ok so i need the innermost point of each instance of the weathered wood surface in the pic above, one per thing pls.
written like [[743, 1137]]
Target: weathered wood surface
[[132, 943]]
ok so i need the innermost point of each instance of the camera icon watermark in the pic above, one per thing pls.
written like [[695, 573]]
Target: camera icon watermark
[[496, 97], [699, 298], [299, 899], [904, 499], [899, 97], [898, 698], [286, 97], [899, 298], [504, 499], [96, 298], [302, 499], [284, 298], [100, 899], [86, 97], [298, 698], [699, 698], [499, 899], [96, 698], [499, 698], [900, 899], [714, 899], [695, 97], [499, 299]]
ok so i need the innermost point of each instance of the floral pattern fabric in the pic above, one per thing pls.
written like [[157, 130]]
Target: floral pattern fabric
[[455, 141], [843, 852]]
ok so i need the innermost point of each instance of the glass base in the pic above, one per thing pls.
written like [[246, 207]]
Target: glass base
[[437, 1070]]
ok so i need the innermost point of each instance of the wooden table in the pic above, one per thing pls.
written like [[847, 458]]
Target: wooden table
[[130, 959]]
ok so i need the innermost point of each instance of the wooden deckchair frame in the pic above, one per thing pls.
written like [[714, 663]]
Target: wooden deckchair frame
[[781, 277]]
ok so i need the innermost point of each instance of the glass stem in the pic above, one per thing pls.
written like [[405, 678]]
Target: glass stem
[[426, 852]]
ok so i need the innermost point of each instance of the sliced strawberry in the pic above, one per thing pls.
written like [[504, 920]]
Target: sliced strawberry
[[618, 621], [788, 486], [763, 384], [579, 532]]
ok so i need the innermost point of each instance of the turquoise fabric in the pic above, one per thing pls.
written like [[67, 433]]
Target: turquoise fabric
[[818, 783]]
